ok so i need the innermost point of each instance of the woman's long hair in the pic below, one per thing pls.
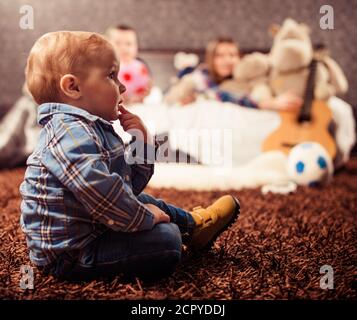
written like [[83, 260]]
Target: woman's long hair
[[210, 54]]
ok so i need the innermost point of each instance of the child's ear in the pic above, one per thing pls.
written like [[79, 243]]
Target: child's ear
[[70, 86]]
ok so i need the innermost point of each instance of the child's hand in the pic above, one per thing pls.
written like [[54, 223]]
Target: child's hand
[[159, 215], [131, 121], [287, 101], [190, 98]]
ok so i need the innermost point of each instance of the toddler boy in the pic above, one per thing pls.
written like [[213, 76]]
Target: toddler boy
[[83, 211]]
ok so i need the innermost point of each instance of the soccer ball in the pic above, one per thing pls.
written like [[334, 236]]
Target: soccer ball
[[135, 77], [309, 164]]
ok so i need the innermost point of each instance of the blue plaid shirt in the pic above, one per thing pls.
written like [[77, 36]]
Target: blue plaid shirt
[[78, 184]]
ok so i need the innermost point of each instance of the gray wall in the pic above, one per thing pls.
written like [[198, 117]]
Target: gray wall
[[172, 24]]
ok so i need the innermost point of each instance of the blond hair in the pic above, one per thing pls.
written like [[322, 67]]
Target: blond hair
[[58, 53], [211, 53]]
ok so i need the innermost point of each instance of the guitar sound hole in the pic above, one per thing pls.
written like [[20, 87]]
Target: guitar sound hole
[[303, 119]]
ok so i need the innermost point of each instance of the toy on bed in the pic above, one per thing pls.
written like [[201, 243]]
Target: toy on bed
[[286, 67], [250, 76], [315, 77], [290, 57], [184, 63], [186, 82], [296, 68]]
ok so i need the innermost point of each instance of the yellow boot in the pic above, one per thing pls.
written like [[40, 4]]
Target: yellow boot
[[212, 221]]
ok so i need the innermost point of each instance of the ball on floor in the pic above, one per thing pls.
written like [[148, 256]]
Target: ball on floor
[[309, 164]]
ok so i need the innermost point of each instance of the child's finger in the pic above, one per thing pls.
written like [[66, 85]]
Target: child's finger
[[127, 120], [129, 123], [123, 110], [126, 116], [131, 129], [165, 218]]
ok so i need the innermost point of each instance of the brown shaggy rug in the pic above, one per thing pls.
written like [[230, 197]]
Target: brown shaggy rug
[[274, 250]]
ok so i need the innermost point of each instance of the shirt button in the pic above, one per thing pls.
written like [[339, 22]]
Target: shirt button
[[110, 222]]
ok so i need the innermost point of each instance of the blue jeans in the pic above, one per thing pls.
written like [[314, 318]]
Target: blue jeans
[[150, 254]]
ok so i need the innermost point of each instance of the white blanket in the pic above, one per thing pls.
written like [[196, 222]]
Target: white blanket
[[247, 128]]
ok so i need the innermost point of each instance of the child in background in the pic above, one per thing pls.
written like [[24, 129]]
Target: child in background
[[134, 73], [84, 212]]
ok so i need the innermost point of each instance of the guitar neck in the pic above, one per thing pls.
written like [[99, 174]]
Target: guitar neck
[[305, 112]]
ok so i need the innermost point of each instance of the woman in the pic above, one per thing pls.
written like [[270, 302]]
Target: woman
[[220, 59]]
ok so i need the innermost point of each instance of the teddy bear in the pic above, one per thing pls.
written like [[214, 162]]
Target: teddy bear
[[185, 63], [185, 84], [286, 67], [290, 57], [250, 76]]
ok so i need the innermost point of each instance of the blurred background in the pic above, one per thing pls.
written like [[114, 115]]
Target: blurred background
[[280, 242], [167, 26]]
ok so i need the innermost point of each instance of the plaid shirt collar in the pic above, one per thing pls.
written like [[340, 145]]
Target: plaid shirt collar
[[46, 110]]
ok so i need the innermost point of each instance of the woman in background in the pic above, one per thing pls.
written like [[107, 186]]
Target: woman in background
[[221, 57]]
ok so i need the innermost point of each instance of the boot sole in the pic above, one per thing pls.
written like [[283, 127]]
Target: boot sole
[[229, 224]]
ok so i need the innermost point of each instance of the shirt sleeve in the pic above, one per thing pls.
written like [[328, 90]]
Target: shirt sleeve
[[75, 157], [142, 165], [242, 100]]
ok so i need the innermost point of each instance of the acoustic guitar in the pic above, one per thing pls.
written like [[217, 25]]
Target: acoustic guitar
[[310, 123]]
